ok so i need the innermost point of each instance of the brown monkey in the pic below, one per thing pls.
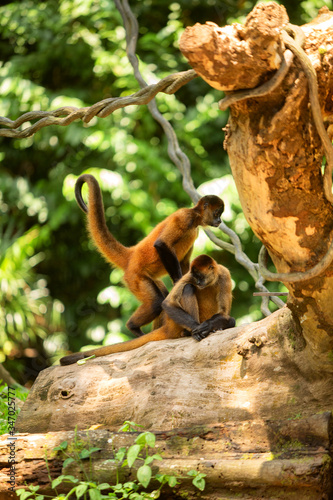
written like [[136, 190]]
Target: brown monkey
[[200, 302], [167, 249]]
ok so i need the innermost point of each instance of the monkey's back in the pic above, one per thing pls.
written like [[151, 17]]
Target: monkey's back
[[177, 231]]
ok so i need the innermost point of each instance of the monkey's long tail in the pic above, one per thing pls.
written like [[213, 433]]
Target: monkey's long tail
[[111, 249], [129, 345]]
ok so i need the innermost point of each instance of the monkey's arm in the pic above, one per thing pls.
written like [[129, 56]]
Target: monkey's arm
[[169, 260], [179, 229], [220, 320], [181, 305]]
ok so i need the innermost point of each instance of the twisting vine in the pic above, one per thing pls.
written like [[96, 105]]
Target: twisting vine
[[168, 85], [182, 162]]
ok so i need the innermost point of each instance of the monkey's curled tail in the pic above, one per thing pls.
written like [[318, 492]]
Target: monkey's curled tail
[[109, 247]]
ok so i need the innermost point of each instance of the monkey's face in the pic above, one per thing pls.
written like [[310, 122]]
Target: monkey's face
[[203, 271], [213, 208]]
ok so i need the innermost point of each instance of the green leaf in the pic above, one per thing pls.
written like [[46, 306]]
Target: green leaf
[[25, 494], [68, 478], [154, 494], [193, 473], [86, 453], [120, 455], [146, 438], [144, 475], [92, 450], [172, 481], [133, 453], [130, 485], [68, 461], [62, 446], [95, 494], [162, 478], [151, 458], [80, 490], [20, 491], [117, 487], [150, 439], [199, 482], [57, 481], [103, 486], [129, 426]]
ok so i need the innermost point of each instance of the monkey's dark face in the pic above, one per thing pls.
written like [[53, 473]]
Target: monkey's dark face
[[203, 271], [213, 208]]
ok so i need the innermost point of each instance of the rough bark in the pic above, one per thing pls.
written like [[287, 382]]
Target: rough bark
[[259, 458], [276, 154], [254, 371]]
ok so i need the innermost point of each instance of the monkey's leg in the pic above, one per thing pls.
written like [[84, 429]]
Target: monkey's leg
[[159, 321], [151, 294], [185, 262]]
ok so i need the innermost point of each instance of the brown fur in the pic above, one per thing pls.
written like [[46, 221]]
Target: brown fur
[[212, 298], [167, 249]]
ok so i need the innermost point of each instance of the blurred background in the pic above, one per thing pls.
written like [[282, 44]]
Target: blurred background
[[56, 292]]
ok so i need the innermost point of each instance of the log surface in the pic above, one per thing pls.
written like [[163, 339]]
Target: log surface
[[256, 457], [249, 372]]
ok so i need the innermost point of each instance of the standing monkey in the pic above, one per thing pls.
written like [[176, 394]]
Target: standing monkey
[[166, 250], [199, 302]]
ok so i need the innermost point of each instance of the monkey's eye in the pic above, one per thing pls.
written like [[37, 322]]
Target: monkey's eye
[[211, 267]]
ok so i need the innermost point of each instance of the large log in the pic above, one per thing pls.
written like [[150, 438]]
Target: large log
[[257, 458], [254, 371], [250, 383]]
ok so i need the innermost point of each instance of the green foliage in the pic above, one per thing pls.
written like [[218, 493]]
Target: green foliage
[[20, 394], [27, 313], [73, 53], [80, 450]]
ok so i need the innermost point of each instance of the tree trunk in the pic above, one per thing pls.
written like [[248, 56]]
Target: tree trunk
[[260, 374], [276, 154]]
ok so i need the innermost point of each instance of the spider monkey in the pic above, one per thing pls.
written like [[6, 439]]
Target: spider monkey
[[166, 250], [210, 284], [199, 302]]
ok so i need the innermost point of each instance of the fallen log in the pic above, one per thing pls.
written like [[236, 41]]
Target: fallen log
[[254, 371], [258, 458]]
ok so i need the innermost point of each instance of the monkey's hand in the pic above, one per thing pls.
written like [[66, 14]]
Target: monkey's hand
[[202, 331], [216, 322]]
